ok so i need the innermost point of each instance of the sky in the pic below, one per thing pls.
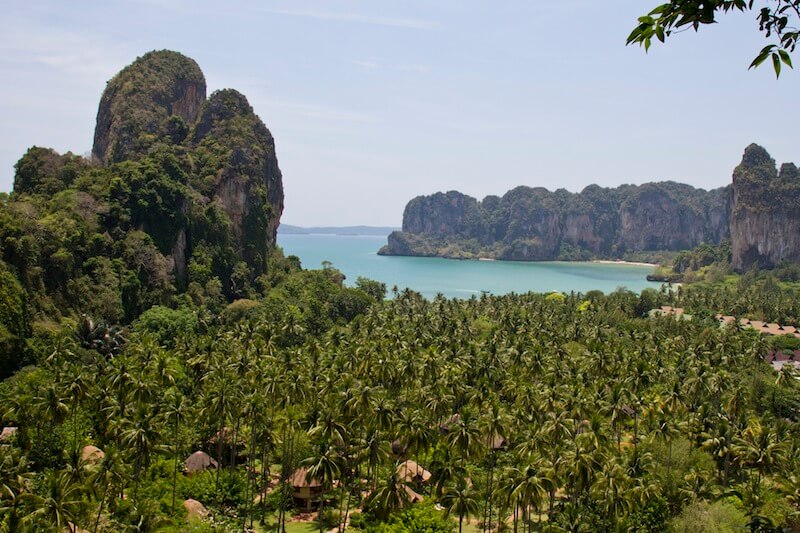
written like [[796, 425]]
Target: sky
[[374, 102]]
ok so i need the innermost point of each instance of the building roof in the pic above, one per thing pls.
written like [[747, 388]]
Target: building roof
[[92, 454], [199, 461], [726, 319], [299, 479], [413, 496], [411, 471]]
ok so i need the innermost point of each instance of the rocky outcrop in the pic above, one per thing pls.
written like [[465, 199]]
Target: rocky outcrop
[[537, 224], [227, 186], [249, 185], [765, 223], [150, 100]]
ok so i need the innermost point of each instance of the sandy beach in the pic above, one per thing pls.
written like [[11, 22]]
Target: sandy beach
[[620, 262]]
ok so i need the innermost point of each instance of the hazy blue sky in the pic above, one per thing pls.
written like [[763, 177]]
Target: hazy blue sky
[[373, 102]]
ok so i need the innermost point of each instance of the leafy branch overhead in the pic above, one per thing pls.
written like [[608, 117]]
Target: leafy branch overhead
[[778, 20]]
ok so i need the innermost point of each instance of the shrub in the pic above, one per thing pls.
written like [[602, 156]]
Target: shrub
[[705, 517]]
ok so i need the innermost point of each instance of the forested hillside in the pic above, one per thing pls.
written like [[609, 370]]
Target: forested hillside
[[178, 205], [541, 412]]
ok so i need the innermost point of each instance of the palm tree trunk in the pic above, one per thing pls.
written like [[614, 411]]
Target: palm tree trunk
[[232, 464], [100, 509], [669, 464], [516, 513], [75, 429], [264, 478], [136, 472], [346, 511], [175, 469], [219, 458], [460, 520], [251, 473], [321, 507], [489, 496]]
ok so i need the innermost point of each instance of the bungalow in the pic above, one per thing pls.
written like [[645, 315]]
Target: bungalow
[[411, 472], [666, 310], [306, 492]]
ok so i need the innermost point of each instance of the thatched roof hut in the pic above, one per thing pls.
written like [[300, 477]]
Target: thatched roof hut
[[92, 454], [299, 479], [306, 493], [410, 471], [726, 320], [199, 461]]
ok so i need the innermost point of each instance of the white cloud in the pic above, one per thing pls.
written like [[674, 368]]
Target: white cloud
[[416, 24], [23, 43], [365, 64]]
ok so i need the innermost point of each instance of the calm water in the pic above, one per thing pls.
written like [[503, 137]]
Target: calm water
[[357, 256]]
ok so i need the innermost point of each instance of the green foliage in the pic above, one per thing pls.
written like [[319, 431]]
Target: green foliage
[[15, 325], [203, 487], [349, 303], [705, 517], [167, 325], [779, 21], [627, 422], [772, 398], [422, 518], [43, 171], [376, 289], [240, 310], [652, 518], [534, 224], [702, 256]]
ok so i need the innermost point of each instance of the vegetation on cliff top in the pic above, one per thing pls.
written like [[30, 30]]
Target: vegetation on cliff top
[[537, 224]]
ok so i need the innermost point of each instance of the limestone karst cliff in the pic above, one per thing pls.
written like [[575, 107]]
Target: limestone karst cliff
[[765, 222], [158, 95], [183, 193], [537, 224], [226, 152], [759, 213]]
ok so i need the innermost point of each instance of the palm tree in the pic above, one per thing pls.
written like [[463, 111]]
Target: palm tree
[[77, 391], [141, 436], [392, 494], [460, 499], [759, 449], [112, 474], [50, 405], [175, 412], [325, 467], [14, 479], [59, 507]]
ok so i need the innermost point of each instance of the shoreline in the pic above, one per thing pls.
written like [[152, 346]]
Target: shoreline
[[621, 262]]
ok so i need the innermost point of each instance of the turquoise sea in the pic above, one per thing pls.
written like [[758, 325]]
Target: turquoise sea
[[357, 256]]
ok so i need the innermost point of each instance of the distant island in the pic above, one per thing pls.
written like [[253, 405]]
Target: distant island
[[380, 231], [758, 213]]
